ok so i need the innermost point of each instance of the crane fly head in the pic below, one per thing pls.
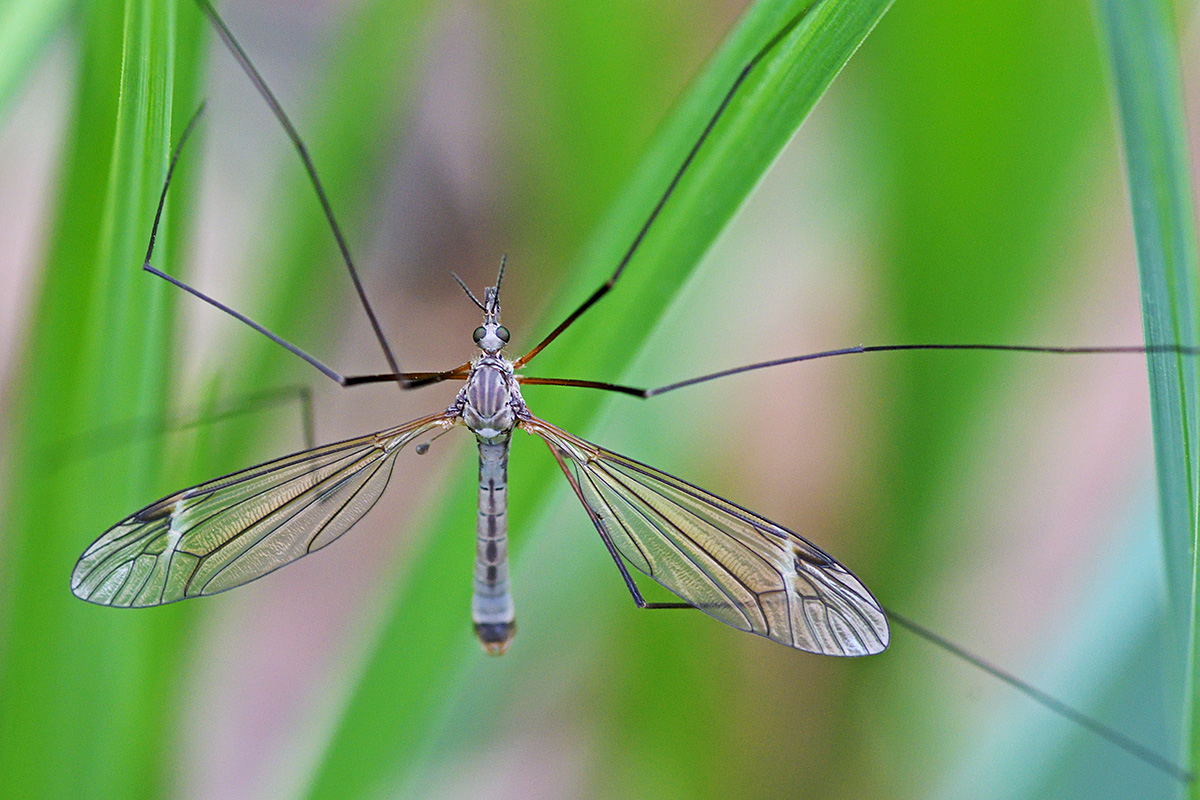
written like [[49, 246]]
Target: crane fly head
[[491, 336]]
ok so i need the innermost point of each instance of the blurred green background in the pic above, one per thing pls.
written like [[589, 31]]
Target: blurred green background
[[961, 182]]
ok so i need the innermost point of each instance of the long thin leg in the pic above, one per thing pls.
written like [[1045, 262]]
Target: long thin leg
[[414, 379], [407, 380], [1048, 701], [638, 600], [103, 439], [608, 387], [248, 67], [1178, 349], [662, 201]]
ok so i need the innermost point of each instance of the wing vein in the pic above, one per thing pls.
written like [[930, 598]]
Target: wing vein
[[315, 494], [229, 509], [629, 534], [378, 465], [720, 556], [701, 569], [245, 524]]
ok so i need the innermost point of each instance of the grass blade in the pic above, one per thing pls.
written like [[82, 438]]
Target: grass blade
[[86, 696], [1145, 67], [1144, 57]]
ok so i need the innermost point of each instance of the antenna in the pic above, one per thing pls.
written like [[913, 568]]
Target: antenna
[[499, 279], [470, 294]]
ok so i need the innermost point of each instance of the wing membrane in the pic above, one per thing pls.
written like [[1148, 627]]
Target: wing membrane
[[727, 561], [231, 530]]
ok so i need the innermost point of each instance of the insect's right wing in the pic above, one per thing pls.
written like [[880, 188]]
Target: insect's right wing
[[727, 561], [231, 530]]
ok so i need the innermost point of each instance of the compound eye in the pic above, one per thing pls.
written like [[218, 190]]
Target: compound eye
[[502, 332], [478, 334]]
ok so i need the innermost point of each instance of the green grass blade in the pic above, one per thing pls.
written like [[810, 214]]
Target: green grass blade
[[93, 696], [1144, 56], [86, 707], [1145, 67], [25, 28], [414, 671]]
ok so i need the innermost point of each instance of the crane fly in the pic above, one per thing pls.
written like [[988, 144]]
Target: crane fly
[[718, 557], [714, 555]]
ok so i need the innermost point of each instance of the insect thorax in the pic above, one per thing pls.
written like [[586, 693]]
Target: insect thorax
[[491, 399]]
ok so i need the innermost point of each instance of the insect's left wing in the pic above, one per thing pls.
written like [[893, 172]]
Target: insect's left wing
[[731, 563], [231, 530]]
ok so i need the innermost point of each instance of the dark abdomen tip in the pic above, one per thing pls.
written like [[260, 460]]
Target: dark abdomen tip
[[495, 636]]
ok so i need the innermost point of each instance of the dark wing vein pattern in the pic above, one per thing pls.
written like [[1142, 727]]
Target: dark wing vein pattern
[[231, 530], [736, 566]]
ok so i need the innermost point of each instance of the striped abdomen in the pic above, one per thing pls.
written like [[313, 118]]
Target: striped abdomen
[[492, 605]]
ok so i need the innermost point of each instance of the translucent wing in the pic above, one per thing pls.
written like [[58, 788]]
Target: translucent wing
[[742, 569], [234, 529]]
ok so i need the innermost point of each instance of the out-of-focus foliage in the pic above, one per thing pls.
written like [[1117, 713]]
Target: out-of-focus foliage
[[961, 182]]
